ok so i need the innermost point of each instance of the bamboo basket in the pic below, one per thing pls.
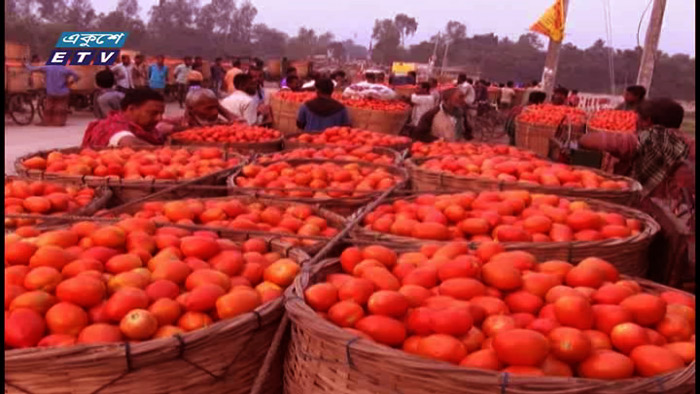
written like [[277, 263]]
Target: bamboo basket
[[241, 147], [290, 142], [396, 157], [426, 180], [344, 206], [629, 255], [284, 115], [536, 137], [124, 190], [102, 196], [225, 357], [333, 220], [379, 121], [324, 358]]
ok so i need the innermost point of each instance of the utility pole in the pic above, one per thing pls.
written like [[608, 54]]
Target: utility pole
[[651, 43], [444, 56], [549, 75]]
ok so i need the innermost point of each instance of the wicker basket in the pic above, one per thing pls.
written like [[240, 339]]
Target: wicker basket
[[344, 206], [395, 157], [629, 255], [427, 180], [284, 115], [124, 190], [379, 121], [323, 358], [102, 196], [241, 147], [536, 137], [225, 357], [290, 141]]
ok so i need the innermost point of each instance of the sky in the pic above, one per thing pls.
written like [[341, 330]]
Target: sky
[[354, 19]]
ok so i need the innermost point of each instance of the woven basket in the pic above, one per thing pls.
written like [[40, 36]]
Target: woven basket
[[324, 358], [125, 190], [629, 255], [284, 115], [396, 157], [241, 147], [344, 206], [536, 137], [334, 220], [379, 121], [290, 141], [102, 196], [597, 130], [225, 357], [427, 180]]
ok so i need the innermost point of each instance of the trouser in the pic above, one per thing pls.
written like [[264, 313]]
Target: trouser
[[56, 110], [217, 87], [181, 93]]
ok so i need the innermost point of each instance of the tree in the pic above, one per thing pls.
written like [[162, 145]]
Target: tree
[[388, 38], [268, 42], [455, 31], [80, 14], [406, 25]]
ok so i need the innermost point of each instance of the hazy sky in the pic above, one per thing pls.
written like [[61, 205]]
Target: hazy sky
[[354, 19]]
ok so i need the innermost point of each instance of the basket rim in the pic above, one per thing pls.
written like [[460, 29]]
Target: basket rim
[[303, 315], [396, 156]]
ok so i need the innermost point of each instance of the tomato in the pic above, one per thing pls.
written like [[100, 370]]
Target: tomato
[[521, 347]]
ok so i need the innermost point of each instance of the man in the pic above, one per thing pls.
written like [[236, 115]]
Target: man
[[447, 121], [293, 84], [534, 98], [259, 97], [412, 77], [655, 152], [158, 75], [202, 108], [507, 95], [423, 101], [573, 99], [434, 89], [139, 73], [467, 86], [322, 112], [533, 86], [339, 81], [109, 99], [291, 71], [481, 91], [123, 72], [198, 63], [230, 75], [180, 73], [217, 75], [194, 78], [559, 95], [241, 103], [634, 96], [134, 125], [57, 93], [369, 88]]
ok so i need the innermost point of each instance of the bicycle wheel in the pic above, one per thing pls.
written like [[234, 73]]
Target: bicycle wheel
[[40, 103], [21, 109]]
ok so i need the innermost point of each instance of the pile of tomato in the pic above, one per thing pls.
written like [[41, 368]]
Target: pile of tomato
[[348, 136], [507, 216], [505, 311], [135, 164], [93, 283], [445, 148], [615, 121], [348, 153], [42, 198], [237, 132], [364, 103], [552, 115], [531, 170]]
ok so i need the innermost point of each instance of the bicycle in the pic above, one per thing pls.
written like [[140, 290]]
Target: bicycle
[[488, 123], [20, 107]]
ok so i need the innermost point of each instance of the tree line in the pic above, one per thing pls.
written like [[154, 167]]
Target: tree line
[[227, 28]]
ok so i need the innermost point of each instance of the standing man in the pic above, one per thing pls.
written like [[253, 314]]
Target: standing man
[[181, 73], [423, 101], [291, 71], [507, 95], [57, 93], [559, 95], [446, 121], [109, 99], [217, 76], [230, 75], [264, 111], [139, 74], [123, 73], [323, 111], [240, 103], [158, 75], [634, 96], [573, 99]]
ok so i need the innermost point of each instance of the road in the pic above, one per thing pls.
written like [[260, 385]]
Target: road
[[21, 140]]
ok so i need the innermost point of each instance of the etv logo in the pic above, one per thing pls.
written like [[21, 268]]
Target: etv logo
[[85, 48]]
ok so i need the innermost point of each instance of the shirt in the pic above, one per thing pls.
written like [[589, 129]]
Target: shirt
[[56, 78], [469, 91], [241, 105], [316, 123], [421, 105], [157, 76], [123, 75], [140, 75], [217, 73], [181, 72], [228, 78], [107, 102], [507, 95]]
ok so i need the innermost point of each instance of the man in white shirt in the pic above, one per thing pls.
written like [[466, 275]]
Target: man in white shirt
[[241, 103], [423, 101], [123, 74], [181, 72], [370, 89], [507, 95]]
